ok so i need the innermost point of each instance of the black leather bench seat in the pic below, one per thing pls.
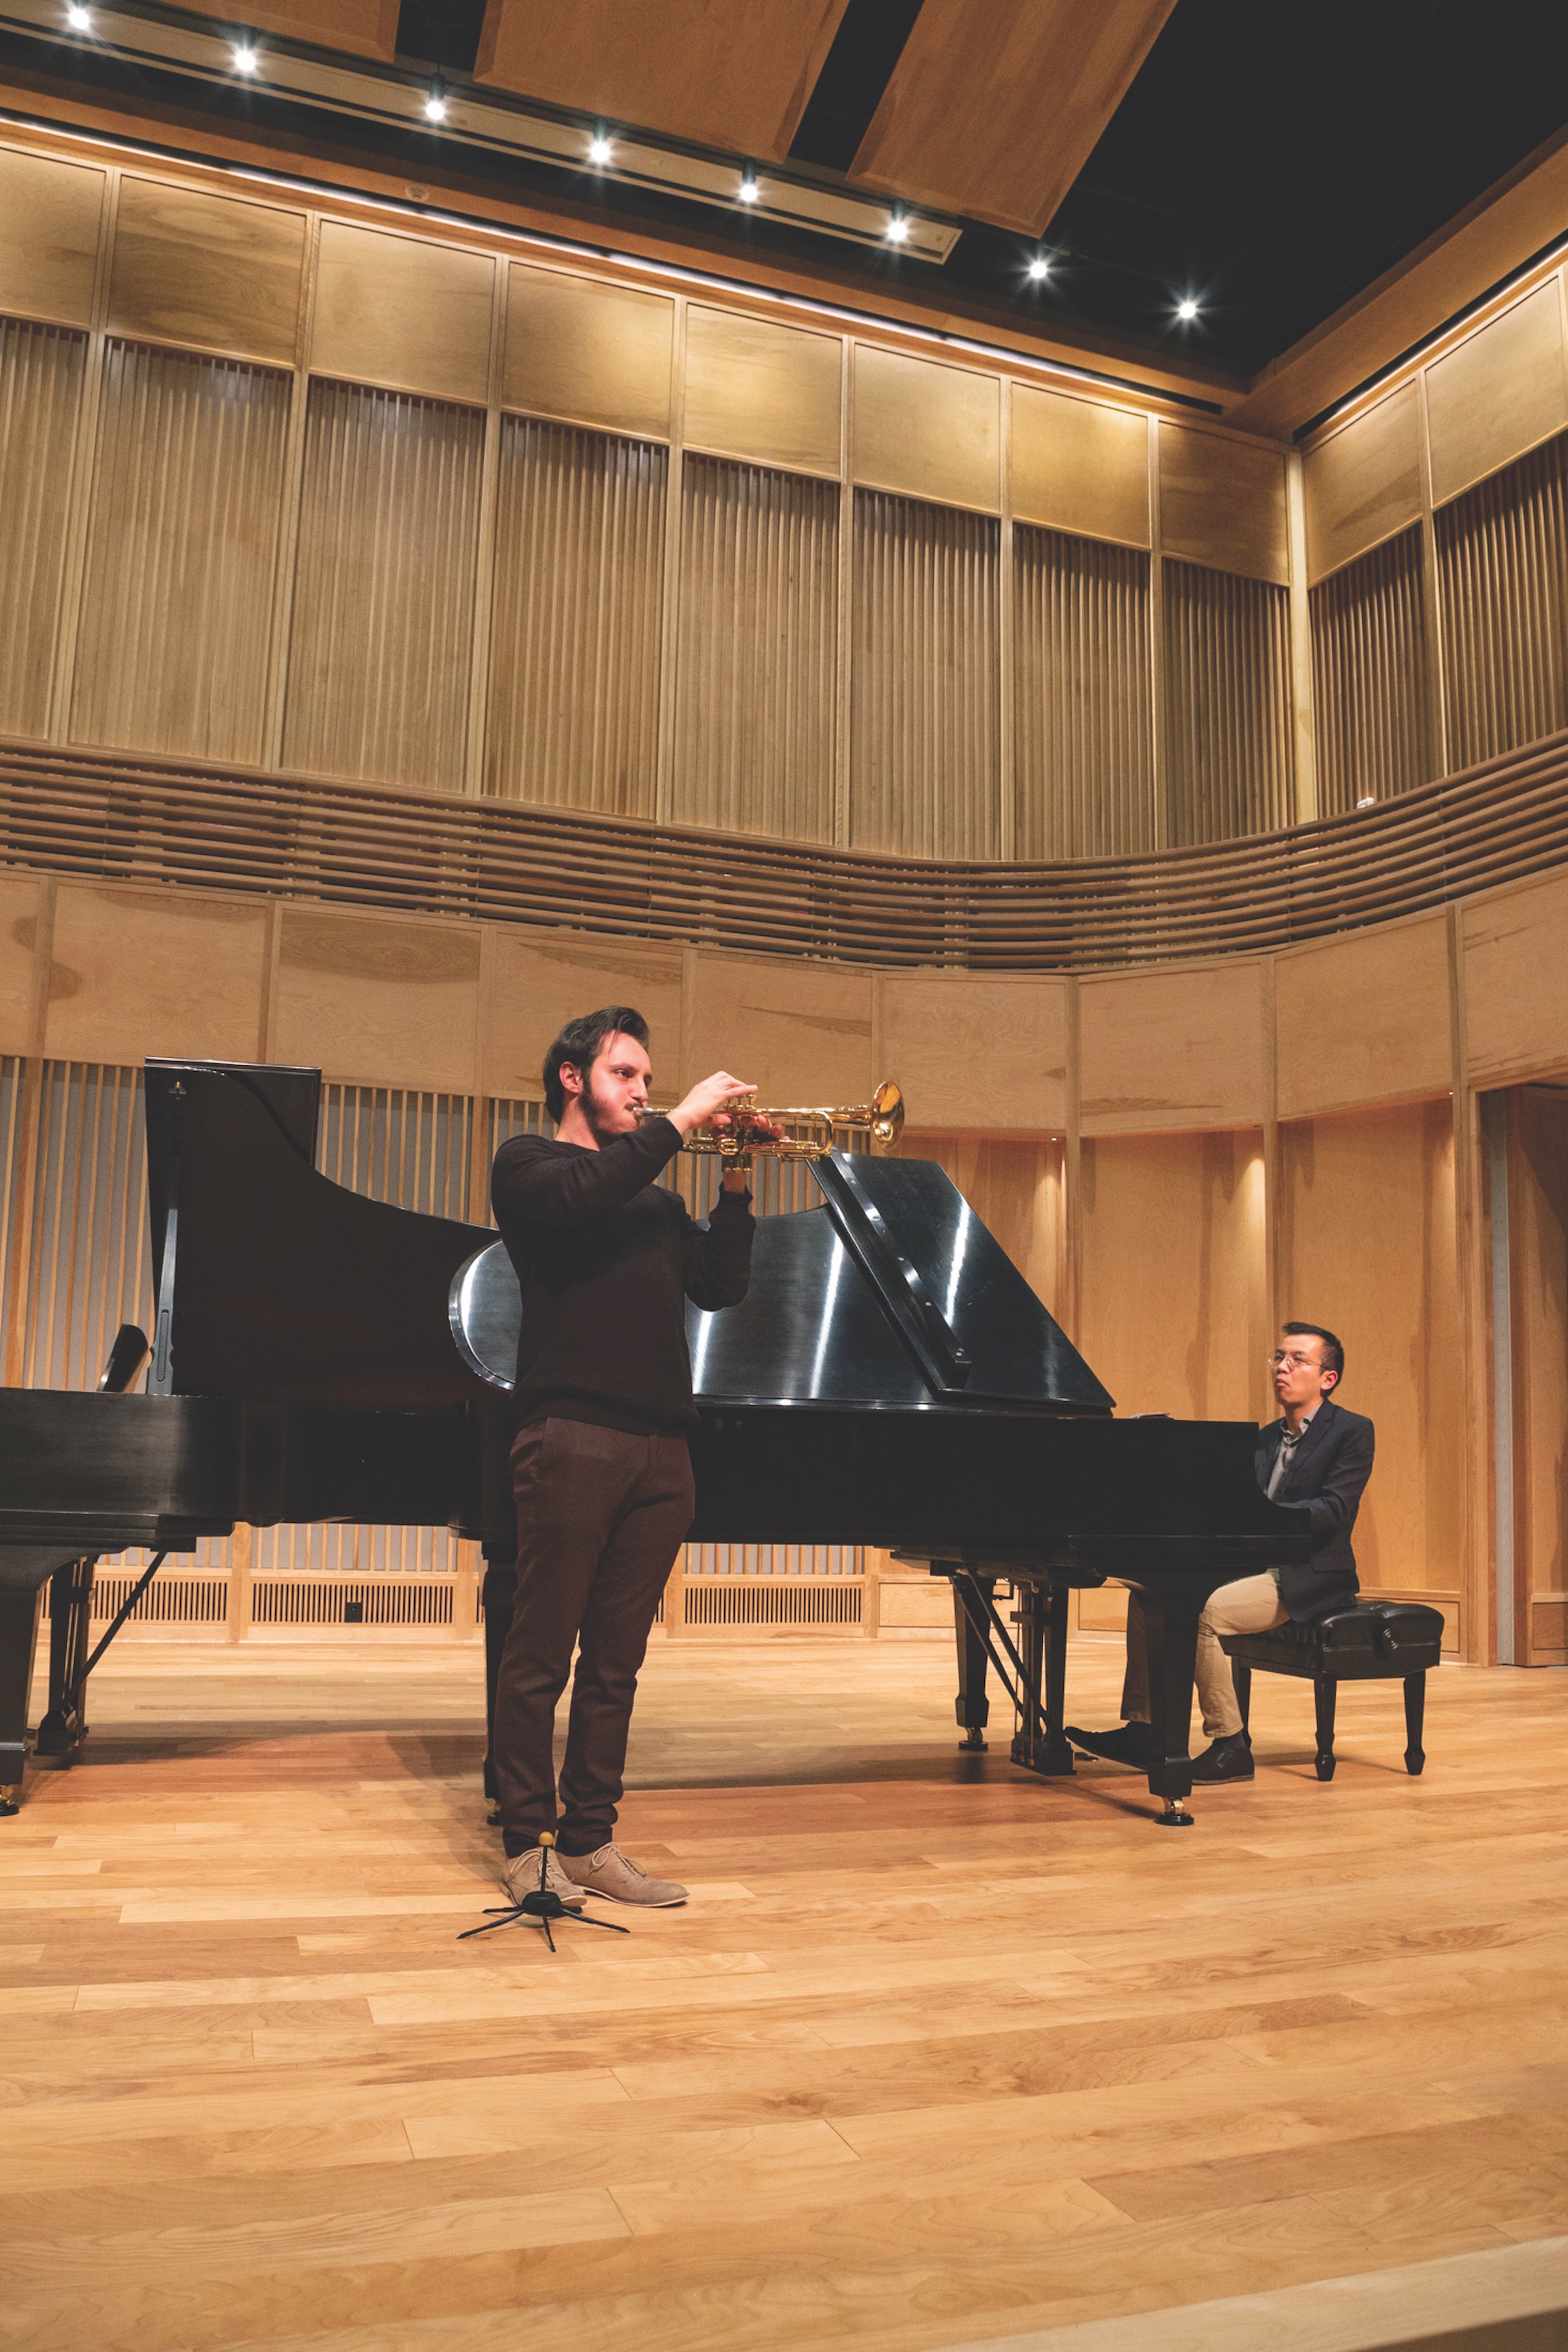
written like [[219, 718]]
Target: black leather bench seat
[[1377, 1641]]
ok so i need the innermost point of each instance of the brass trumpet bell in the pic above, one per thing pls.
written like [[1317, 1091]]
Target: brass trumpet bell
[[744, 1140]]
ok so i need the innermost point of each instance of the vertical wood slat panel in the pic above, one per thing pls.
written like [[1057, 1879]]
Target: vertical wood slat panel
[[1369, 676], [925, 734], [758, 651], [1502, 567], [574, 661], [383, 609], [173, 650], [1083, 749], [40, 392], [1227, 703], [91, 1268]]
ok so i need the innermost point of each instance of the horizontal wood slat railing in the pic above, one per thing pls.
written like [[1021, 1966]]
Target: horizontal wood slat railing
[[119, 818]]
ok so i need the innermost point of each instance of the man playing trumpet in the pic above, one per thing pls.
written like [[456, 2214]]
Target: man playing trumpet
[[605, 1259]]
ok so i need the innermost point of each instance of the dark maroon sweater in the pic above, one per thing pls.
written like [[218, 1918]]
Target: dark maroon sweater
[[606, 1259]]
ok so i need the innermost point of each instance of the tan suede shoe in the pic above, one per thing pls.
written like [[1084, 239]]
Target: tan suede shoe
[[520, 1876], [612, 1873]]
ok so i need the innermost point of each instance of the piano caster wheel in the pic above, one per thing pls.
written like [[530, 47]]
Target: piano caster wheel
[[1176, 1816], [10, 1802], [973, 1739]]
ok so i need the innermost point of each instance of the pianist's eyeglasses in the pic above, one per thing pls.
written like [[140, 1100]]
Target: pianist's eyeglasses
[[1297, 1363]]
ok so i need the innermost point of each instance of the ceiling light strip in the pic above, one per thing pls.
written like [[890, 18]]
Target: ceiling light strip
[[472, 118]]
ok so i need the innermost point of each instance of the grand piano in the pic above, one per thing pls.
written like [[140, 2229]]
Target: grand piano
[[890, 1379]]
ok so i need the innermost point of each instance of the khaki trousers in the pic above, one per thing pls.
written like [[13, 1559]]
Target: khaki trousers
[[1250, 1605]]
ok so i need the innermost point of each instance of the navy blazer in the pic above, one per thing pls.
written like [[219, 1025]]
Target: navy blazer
[[1333, 1465]]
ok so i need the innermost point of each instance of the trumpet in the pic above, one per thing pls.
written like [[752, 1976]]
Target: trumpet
[[749, 1135]]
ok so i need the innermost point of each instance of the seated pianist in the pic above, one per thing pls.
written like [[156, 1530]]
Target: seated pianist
[[1316, 1458]]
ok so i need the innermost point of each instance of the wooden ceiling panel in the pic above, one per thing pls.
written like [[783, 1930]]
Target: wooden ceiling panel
[[368, 28], [995, 105], [722, 73]]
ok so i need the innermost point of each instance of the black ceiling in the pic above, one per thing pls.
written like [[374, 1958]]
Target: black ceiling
[[1271, 158]]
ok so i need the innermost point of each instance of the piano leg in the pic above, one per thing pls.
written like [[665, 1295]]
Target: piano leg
[[64, 1726], [971, 1706], [20, 1609], [498, 1592], [1040, 1745], [1171, 1611]]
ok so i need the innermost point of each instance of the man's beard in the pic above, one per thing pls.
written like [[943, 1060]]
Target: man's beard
[[600, 1115]]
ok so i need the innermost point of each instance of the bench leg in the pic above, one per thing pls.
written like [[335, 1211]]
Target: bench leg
[[1415, 1714], [1325, 1691]]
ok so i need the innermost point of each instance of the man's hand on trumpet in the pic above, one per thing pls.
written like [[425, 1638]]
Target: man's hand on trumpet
[[714, 1105]]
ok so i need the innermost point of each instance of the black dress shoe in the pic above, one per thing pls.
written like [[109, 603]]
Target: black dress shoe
[[1129, 1745], [1226, 1759]]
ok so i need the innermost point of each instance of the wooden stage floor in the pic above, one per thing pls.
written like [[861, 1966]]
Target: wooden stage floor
[[936, 2054]]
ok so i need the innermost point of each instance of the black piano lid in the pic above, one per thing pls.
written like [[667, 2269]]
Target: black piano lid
[[286, 1286], [892, 1295]]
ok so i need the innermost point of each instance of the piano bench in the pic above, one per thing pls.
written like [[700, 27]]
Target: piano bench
[[1377, 1641]]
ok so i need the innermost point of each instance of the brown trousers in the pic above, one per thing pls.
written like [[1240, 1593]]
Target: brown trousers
[[601, 1517]]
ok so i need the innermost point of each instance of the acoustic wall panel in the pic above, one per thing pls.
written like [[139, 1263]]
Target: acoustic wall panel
[[1503, 565], [926, 429], [172, 653], [587, 353], [51, 214], [404, 311], [190, 268], [924, 776], [1079, 465], [1476, 426], [758, 651], [1369, 676], [574, 645], [1364, 483], [40, 393], [1082, 722], [1222, 503], [757, 390], [382, 636], [1228, 705]]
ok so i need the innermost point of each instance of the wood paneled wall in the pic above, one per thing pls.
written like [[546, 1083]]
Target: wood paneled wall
[[1368, 1246], [1229, 755], [926, 737], [757, 707], [1436, 544], [1503, 565], [1538, 1327], [176, 612], [1082, 710], [574, 647], [1370, 682], [382, 501]]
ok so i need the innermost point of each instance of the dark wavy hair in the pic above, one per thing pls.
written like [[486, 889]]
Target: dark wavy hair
[[582, 1042], [1334, 1350]]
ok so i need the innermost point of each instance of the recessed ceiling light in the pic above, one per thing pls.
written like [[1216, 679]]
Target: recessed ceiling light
[[600, 151], [435, 107], [1038, 267], [897, 229], [245, 61], [1187, 310], [749, 191], [79, 19]]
